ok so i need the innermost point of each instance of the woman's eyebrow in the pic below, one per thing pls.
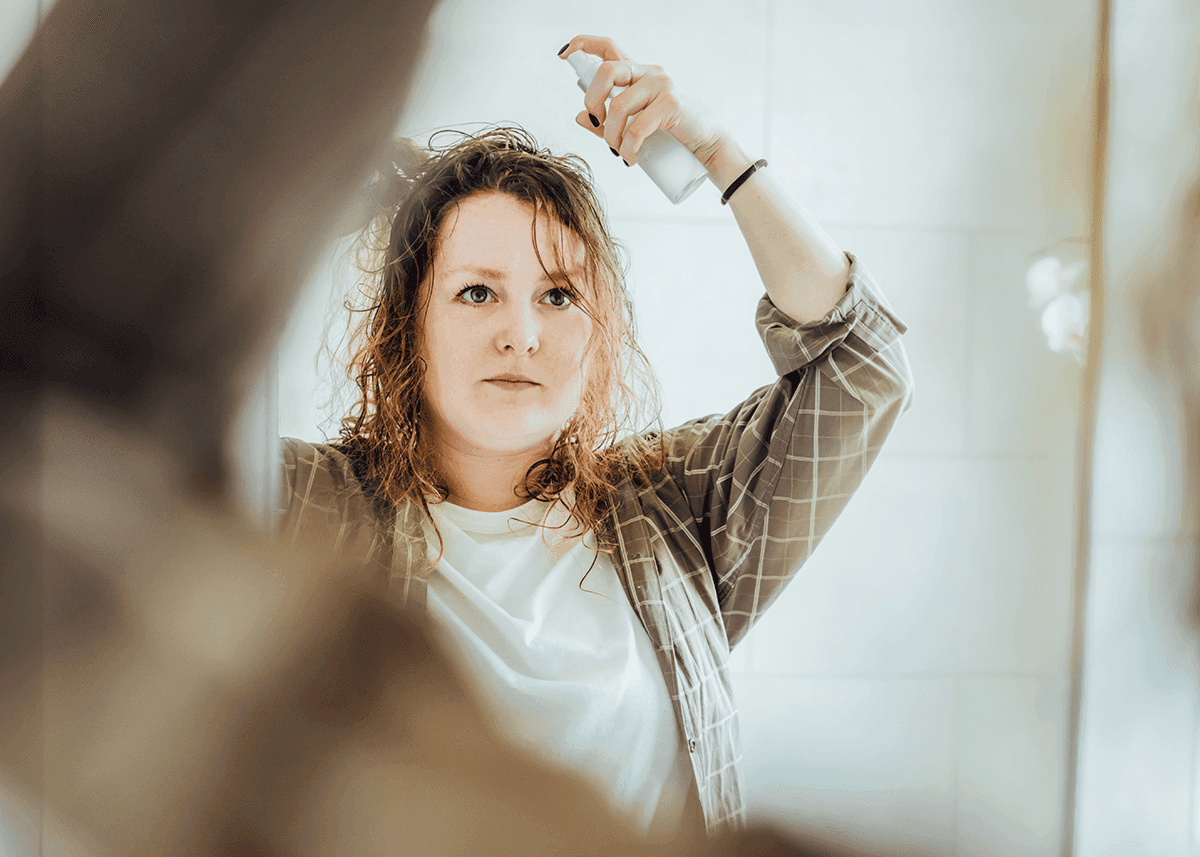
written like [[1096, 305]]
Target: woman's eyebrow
[[495, 274]]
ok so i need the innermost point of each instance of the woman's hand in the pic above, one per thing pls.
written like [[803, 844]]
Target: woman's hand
[[651, 100], [804, 270]]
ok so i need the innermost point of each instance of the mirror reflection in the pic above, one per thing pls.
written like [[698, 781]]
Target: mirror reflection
[[950, 158]]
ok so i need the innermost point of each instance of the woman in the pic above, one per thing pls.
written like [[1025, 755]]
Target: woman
[[489, 474]]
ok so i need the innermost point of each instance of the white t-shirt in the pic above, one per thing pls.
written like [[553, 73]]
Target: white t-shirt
[[569, 674]]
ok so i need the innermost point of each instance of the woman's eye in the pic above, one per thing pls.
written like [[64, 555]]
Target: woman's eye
[[475, 294], [558, 298]]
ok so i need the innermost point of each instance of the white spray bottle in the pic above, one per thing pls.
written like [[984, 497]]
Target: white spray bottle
[[668, 162]]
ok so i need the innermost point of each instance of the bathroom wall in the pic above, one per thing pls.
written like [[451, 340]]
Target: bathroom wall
[[911, 684]]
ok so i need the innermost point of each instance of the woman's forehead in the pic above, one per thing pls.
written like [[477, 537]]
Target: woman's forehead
[[494, 222]]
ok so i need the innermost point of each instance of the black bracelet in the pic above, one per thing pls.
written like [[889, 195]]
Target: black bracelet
[[761, 162]]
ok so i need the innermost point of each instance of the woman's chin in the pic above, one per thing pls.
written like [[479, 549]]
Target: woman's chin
[[508, 442]]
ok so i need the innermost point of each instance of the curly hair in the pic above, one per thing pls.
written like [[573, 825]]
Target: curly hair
[[385, 432]]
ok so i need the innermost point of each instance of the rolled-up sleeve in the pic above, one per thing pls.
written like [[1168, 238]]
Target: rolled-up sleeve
[[765, 482]]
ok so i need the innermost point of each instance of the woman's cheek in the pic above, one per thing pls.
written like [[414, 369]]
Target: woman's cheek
[[580, 334]]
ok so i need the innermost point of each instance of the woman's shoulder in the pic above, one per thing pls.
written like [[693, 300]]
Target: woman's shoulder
[[324, 502], [325, 475], [334, 460]]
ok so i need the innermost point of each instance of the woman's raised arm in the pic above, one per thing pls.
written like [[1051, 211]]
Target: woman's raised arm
[[802, 267]]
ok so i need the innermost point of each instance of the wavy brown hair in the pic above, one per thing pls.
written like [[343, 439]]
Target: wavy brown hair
[[385, 432]]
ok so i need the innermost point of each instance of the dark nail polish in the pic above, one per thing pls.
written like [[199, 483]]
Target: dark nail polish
[[614, 151], [595, 121], [563, 48], [626, 163]]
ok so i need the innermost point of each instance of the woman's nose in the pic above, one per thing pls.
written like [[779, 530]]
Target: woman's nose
[[518, 330]]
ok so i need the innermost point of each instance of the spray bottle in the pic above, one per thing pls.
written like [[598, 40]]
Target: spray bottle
[[668, 162]]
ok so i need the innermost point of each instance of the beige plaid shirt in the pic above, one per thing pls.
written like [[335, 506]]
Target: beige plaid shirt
[[743, 501]]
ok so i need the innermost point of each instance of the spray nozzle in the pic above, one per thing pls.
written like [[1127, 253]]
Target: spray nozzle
[[585, 65]]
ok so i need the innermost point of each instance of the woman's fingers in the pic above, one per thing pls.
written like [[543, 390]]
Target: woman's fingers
[[639, 83], [597, 46], [616, 69], [649, 100], [624, 110], [584, 122], [624, 136], [659, 113]]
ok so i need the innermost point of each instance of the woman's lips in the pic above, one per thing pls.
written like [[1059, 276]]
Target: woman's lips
[[511, 385]]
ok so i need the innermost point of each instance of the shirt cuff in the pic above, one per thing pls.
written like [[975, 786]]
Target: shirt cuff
[[863, 308]]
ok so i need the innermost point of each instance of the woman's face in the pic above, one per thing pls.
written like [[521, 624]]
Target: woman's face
[[505, 348]]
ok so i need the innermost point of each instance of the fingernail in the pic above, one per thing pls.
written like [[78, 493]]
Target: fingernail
[[563, 48], [595, 121], [614, 151], [626, 163]]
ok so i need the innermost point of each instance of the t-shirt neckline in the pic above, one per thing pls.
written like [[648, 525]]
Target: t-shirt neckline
[[523, 517]]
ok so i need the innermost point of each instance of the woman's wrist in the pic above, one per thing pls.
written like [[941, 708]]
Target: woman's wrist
[[728, 161]]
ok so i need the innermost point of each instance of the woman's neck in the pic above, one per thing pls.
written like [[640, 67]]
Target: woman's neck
[[486, 481]]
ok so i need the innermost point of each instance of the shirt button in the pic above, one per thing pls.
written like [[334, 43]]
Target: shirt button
[[691, 745]]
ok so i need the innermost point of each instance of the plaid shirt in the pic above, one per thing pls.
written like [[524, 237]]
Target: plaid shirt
[[742, 502]]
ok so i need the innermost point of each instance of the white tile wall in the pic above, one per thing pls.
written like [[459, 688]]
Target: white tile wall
[[310, 378], [870, 759], [936, 566], [695, 291], [932, 113], [1024, 398], [741, 659], [1010, 754], [926, 276]]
